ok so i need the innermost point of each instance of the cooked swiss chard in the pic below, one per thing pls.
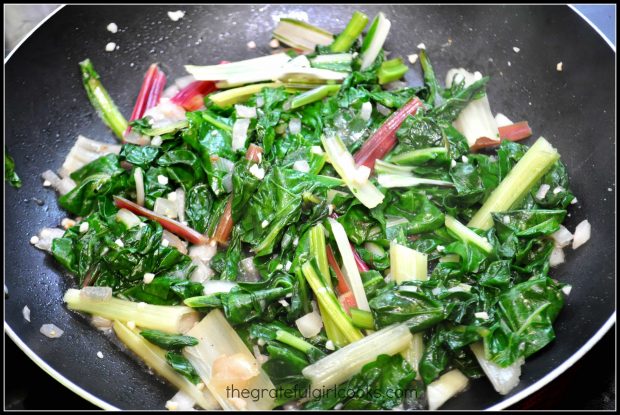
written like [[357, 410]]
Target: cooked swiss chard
[[338, 228]]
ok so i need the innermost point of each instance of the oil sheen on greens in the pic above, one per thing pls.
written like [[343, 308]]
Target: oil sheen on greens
[[273, 215]]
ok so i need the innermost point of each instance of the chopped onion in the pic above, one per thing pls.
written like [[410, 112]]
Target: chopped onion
[[51, 331], [245, 112], [542, 191], [46, 236], [180, 199], [504, 379], [139, 179], [166, 208], [175, 241], [260, 358], [249, 273], [217, 286], [310, 324], [240, 133], [502, 120], [204, 252], [562, 237], [557, 257], [26, 313], [170, 92], [181, 401], [101, 323], [301, 165], [366, 111], [62, 186], [227, 182], [165, 113], [476, 119], [394, 85], [184, 81], [96, 293], [83, 152], [582, 234], [128, 218], [234, 369], [201, 273], [294, 126], [383, 110]]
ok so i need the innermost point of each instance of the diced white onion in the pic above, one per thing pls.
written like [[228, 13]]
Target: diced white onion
[[96, 293], [557, 256], [46, 236], [101, 323], [240, 133], [184, 81], [582, 234], [257, 172], [248, 270], [310, 324], [301, 165], [175, 241], [26, 313], [180, 199], [503, 379], [383, 110], [562, 237], [128, 218], [165, 207], [366, 111], [394, 85], [181, 402], [542, 191], [165, 113], [201, 273], [51, 331], [203, 252], [62, 186], [217, 286], [139, 179], [567, 289], [444, 388], [502, 120], [170, 92], [245, 112], [294, 126]]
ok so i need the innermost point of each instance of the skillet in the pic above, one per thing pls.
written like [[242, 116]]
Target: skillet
[[46, 108]]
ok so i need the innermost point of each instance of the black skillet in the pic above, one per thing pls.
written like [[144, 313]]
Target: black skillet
[[46, 108]]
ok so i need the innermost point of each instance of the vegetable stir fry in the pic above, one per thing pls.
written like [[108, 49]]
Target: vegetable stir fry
[[305, 230]]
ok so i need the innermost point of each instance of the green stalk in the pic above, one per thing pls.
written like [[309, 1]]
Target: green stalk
[[215, 122], [170, 319], [354, 28], [391, 70], [467, 235], [362, 318], [327, 299], [166, 129], [100, 99], [421, 156], [293, 341], [523, 176], [429, 78], [314, 95], [318, 251], [236, 95]]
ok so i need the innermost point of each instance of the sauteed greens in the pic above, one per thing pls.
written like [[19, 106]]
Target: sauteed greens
[[354, 242]]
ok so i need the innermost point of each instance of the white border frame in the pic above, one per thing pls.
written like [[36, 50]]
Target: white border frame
[[502, 405]]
